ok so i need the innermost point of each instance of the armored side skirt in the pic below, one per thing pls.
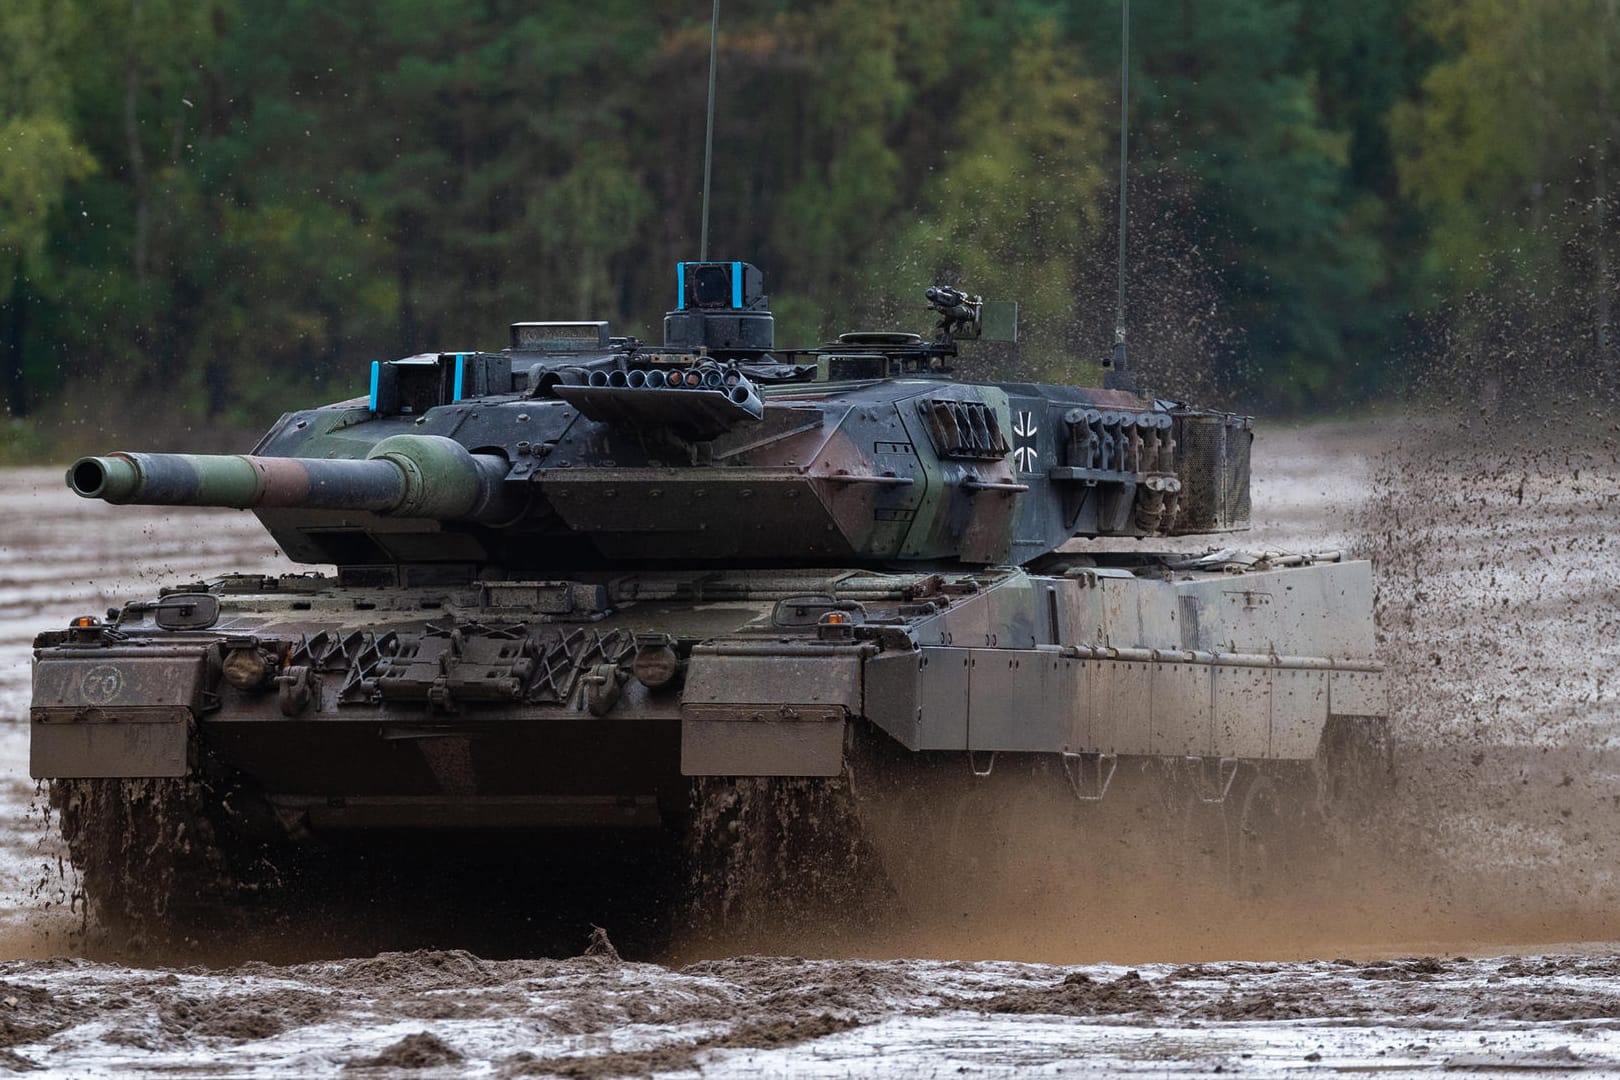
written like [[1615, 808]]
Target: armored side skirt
[[1117, 701], [116, 711], [1060, 700]]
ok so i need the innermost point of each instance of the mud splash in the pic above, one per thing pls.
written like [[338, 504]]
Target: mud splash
[[1500, 601], [1499, 612]]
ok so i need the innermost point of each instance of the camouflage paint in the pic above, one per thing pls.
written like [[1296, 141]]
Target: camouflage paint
[[415, 476]]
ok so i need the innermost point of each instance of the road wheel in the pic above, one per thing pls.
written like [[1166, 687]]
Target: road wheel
[[1277, 837], [1256, 836]]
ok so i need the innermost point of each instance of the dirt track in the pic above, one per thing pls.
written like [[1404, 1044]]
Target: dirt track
[[1500, 603]]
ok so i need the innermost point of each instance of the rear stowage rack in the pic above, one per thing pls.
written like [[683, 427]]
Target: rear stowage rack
[[1212, 460]]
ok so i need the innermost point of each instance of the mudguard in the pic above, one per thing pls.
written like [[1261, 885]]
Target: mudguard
[[752, 710], [127, 714]]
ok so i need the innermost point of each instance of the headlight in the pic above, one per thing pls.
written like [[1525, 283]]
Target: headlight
[[247, 669]]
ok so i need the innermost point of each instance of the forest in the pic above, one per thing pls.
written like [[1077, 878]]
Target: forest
[[215, 210]]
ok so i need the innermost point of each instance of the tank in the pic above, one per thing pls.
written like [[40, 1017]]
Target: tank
[[744, 600]]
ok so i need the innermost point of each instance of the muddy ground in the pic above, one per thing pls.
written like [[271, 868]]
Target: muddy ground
[[1468, 927]]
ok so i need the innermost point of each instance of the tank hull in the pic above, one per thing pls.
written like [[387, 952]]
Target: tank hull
[[735, 753], [595, 703]]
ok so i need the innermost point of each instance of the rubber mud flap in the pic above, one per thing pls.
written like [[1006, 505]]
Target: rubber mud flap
[[152, 743], [747, 714], [112, 716], [717, 741]]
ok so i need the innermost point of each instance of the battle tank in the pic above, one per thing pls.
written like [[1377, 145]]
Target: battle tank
[[585, 584]]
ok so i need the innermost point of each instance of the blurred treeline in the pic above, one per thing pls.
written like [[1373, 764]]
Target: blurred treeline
[[214, 209]]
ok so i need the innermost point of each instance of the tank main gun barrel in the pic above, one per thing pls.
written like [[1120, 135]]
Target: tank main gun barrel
[[412, 476]]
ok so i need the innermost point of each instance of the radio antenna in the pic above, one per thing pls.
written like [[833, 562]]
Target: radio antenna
[[1116, 378], [708, 133]]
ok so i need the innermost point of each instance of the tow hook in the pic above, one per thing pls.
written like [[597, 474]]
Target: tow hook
[[604, 683]]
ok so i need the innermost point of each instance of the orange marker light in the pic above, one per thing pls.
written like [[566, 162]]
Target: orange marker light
[[84, 620]]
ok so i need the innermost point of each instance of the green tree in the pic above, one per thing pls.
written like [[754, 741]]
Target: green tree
[[1256, 146], [224, 206], [1007, 210], [1511, 151], [39, 158]]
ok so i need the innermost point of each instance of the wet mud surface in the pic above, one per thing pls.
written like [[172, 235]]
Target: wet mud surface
[[450, 1013], [1465, 928]]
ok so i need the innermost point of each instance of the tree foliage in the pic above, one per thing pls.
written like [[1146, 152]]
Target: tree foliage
[[1512, 151], [40, 156], [221, 208]]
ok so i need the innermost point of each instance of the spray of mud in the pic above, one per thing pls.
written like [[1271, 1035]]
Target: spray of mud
[[36, 868], [1498, 605], [1499, 611], [1499, 608], [1015, 866]]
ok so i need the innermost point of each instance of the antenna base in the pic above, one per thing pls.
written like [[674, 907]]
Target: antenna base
[[1120, 380], [1115, 376]]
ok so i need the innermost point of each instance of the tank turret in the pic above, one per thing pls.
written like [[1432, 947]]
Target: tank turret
[[574, 448]]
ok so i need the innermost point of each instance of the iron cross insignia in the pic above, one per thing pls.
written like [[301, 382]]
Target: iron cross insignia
[[1025, 455]]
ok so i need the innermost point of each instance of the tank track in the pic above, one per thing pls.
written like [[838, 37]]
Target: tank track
[[900, 833], [171, 865], [162, 864]]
